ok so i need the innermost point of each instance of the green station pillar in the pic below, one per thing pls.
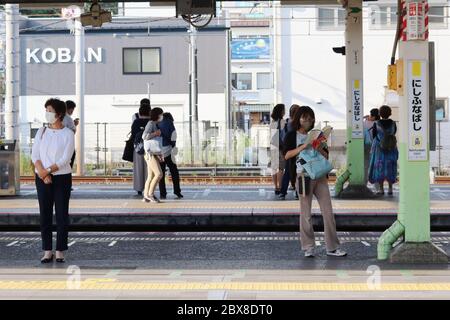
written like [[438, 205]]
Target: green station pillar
[[355, 171], [413, 222]]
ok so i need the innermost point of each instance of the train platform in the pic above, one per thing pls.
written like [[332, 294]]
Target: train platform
[[213, 266], [210, 207]]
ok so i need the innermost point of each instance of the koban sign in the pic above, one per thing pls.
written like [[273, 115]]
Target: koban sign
[[61, 55]]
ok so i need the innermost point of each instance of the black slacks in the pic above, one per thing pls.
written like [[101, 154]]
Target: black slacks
[[56, 194], [173, 172]]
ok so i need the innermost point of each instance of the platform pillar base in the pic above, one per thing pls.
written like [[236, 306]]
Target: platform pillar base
[[418, 252]]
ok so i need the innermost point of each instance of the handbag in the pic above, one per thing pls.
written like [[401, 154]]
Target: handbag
[[128, 150], [314, 163], [153, 146]]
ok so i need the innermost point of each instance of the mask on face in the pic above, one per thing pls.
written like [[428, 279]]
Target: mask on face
[[50, 117], [160, 118], [306, 124]]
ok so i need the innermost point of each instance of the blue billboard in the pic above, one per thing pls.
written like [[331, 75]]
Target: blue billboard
[[250, 48]]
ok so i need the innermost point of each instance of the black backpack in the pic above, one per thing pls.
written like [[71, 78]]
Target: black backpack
[[139, 142], [388, 142]]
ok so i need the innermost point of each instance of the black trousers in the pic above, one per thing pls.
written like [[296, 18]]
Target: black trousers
[[56, 194], [173, 172]]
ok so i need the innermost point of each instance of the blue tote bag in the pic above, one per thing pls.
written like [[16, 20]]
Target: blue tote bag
[[314, 163]]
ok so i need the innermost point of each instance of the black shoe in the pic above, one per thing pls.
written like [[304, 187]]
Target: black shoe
[[163, 197], [179, 195], [139, 193], [60, 260], [47, 260], [277, 192], [282, 197]]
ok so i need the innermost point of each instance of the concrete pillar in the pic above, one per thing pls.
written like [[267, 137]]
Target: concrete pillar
[[354, 103], [12, 57], [414, 160], [79, 93]]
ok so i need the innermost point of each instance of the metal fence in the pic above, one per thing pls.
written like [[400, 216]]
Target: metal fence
[[200, 144], [212, 145]]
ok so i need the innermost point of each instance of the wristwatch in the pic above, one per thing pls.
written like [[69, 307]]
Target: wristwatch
[[49, 170]]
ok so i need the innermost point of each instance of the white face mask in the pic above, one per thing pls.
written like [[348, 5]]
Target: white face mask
[[160, 118], [50, 117]]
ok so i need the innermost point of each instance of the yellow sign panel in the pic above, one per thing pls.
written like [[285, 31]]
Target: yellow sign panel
[[392, 77]]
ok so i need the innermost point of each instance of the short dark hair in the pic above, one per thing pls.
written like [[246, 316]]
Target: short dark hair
[[144, 110], [385, 112], [300, 113], [168, 115], [375, 113], [59, 106], [70, 105], [277, 112], [292, 110], [145, 101], [155, 113]]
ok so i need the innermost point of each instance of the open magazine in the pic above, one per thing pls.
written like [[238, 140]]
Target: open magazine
[[317, 136]]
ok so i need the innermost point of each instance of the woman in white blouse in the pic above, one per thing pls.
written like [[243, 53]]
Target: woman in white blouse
[[52, 150]]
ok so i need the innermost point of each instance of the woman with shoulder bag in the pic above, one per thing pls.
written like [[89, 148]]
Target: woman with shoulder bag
[[152, 157], [139, 163], [302, 123]]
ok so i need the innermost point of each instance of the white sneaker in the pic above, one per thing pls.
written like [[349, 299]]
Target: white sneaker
[[309, 253], [337, 253]]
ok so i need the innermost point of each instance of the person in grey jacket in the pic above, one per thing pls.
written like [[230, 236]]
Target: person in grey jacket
[[153, 167]]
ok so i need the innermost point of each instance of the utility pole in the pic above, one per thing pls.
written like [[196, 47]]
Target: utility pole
[[413, 220], [193, 112], [12, 67], [79, 92], [354, 100]]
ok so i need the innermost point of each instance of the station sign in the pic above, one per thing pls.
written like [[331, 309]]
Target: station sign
[[357, 116], [417, 108]]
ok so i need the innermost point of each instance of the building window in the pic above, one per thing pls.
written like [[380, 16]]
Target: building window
[[141, 60], [241, 81], [436, 16], [264, 80], [330, 18], [385, 17]]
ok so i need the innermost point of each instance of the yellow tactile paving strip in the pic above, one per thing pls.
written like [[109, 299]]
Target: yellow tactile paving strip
[[111, 284], [197, 204]]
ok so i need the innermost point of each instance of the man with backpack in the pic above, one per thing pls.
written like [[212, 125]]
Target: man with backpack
[[139, 164], [384, 151]]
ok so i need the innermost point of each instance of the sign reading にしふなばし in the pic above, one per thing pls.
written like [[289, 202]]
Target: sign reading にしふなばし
[[417, 108], [357, 119]]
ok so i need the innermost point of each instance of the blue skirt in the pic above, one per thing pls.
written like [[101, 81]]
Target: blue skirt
[[383, 165]]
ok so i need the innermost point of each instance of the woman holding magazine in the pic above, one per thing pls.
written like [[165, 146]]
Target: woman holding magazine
[[296, 141]]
